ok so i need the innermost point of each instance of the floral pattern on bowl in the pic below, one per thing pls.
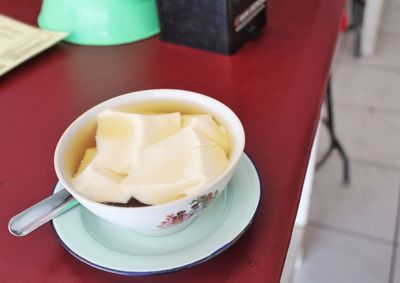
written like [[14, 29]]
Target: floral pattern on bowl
[[196, 206]]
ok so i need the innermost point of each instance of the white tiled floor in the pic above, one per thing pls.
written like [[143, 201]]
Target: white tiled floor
[[353, 233], [333, 257], [359, 208]]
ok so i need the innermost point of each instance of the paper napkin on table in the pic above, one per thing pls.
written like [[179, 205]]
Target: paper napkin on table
[[19, 42]]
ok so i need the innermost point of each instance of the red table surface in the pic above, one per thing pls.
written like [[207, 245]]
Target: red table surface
[[275, 84]]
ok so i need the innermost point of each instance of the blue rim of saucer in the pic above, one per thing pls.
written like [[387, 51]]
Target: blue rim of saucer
[[246, 162]]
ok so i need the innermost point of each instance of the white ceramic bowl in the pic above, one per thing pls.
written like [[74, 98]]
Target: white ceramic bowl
[[159, 219]]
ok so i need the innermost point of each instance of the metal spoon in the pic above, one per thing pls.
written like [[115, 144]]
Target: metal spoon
[[42, 212]]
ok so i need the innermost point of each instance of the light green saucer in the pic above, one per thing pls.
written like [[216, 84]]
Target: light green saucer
[[115, 249]]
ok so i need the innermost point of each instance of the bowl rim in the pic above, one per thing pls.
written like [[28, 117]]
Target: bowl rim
[[142, 95]]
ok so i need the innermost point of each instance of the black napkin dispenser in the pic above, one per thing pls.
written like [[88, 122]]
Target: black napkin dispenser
[[215, 25]]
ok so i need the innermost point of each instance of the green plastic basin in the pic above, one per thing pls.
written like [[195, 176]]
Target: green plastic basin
[[101, 22]]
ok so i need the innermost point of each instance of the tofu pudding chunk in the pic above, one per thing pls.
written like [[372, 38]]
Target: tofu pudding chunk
[[153, 158], [120, 135]]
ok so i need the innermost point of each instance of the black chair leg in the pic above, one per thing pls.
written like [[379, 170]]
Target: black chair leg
[[357, 19], [334, 142]]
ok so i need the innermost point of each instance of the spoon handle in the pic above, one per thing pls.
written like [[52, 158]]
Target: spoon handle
[[40, 213]]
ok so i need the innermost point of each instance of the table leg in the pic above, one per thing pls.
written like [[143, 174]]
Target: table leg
[[334, 141]]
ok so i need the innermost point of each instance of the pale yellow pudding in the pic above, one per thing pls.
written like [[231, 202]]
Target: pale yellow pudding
[[152, 157]]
